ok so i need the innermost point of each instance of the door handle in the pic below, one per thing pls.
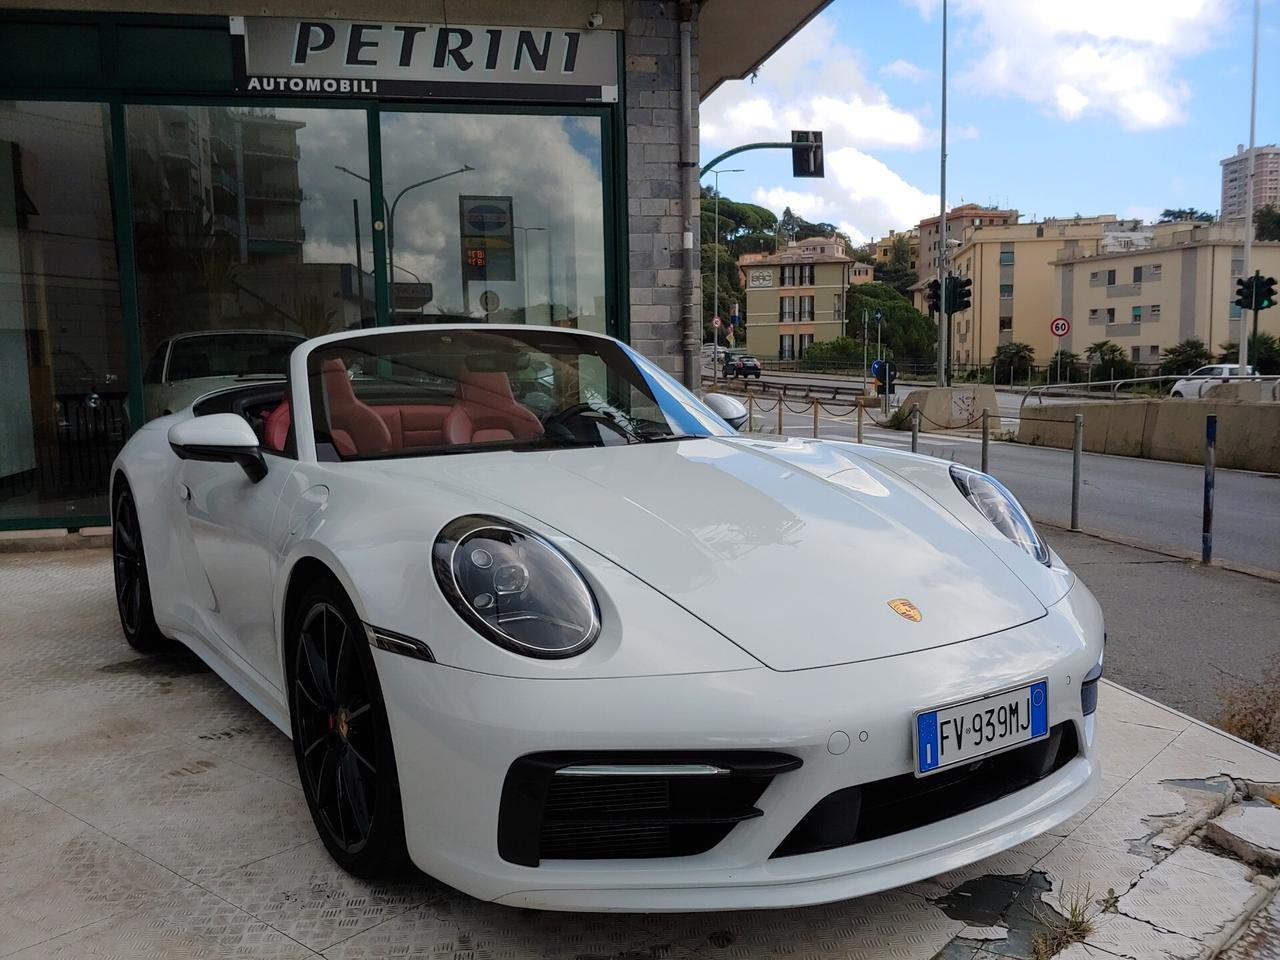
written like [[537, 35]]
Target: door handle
[[184, 492]]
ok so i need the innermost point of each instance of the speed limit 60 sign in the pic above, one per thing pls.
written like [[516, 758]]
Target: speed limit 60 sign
[[1060, 327]]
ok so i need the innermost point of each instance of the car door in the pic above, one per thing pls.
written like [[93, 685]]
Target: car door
[[1201, 381], [230, 524]]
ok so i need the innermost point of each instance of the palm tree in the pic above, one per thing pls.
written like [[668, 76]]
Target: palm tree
[[1012, 359]]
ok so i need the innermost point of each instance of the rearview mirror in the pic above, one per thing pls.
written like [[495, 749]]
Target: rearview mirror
[[729, 409], [219, 438]]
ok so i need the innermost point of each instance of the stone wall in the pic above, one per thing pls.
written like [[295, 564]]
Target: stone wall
[[655, 226]]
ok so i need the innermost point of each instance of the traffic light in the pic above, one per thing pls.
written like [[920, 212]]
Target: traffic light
[[963, 294], [806, 161], [933, 298], [1244, 293], [1264, 292]]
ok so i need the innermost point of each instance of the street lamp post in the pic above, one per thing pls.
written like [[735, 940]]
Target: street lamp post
[[391, 220], [525, 268], [715, 310]]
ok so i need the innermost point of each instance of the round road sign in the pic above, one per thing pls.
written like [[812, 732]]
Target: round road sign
[[1060, 327], [489, 301], [715, 321]]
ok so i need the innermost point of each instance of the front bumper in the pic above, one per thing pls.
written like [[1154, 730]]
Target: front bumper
[[457, 733]]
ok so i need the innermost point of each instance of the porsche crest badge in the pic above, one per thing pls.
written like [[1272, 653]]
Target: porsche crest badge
[[905, 608]]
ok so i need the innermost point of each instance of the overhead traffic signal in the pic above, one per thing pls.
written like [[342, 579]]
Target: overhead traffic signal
[[933, 296], [806, 161], [1264, 292], [1244, 293]]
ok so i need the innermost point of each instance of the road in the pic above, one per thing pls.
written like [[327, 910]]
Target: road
[[1150, 501]]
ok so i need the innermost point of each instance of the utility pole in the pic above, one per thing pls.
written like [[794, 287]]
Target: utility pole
[[943, 319], [1248, 189], [864, 351]]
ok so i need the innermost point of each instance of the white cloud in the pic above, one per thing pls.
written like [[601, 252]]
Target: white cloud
[[860, 194], [904, 70], [1087, 56], [817, 83]]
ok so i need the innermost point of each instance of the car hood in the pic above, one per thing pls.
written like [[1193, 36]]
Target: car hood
[[792, 550]]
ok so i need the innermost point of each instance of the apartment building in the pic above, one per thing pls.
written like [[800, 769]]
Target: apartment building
[[959, 219], [1014, 297], [796, 297], [1235, 180], [885, 245], [1147, 298]]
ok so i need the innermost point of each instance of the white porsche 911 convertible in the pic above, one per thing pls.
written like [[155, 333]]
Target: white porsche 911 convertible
[[610, 655]]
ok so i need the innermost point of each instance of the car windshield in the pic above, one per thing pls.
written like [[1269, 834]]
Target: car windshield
[[405, 393], [231, 355]]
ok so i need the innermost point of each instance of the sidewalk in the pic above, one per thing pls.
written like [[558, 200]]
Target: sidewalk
[[145, 810]]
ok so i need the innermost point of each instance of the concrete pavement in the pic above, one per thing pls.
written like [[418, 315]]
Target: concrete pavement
[[147, 811]]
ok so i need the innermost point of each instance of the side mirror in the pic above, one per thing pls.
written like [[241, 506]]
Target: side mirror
[[729, 409], [219, 438]]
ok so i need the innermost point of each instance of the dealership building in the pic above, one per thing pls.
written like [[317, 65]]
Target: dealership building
[[188, 188]]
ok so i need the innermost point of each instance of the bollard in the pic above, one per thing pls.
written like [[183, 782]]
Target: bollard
[[751, 412], [815, 419], [860, 408], [915, 428], [986, 437], [781, 432], [1206, 526], [1077, 446]]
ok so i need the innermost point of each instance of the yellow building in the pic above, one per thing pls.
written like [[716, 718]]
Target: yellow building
[[885, 245], [1014, 292], [796, 297], [1181, 284]]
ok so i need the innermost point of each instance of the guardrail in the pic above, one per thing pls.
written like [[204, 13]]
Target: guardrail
[[1088, 390]]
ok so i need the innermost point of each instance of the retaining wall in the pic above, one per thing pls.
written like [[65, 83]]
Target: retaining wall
[[1248, 432], [946, 408]]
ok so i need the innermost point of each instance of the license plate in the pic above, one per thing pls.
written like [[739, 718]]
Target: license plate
[[977, 728]]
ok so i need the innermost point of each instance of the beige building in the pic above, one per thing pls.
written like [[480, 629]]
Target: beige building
[[959, 219], [1235, 180], [796, 297], [1147, 298], [884, 246], [1014, 292]]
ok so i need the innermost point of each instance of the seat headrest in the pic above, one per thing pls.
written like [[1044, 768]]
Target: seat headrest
[[337, 385]]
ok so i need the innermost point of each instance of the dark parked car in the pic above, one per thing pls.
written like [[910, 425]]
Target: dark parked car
[[742, 366]]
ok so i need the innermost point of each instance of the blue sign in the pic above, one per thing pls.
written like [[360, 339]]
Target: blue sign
[[876, 314]]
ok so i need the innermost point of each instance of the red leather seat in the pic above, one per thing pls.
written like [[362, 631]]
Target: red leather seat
[[275, 427], [354, 425], [488, 405]]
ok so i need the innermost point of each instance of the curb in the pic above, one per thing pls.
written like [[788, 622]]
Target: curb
[[54, 541], [1186, 556]]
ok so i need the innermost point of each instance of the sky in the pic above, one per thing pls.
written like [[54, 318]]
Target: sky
[[1053, 108]]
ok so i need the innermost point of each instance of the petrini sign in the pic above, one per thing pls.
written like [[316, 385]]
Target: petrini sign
[[350, 58]]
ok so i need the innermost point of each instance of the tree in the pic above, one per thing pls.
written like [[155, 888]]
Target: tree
[[1266, 222], [730, 292], [897, 273], [1110, 359], [1012, 360], [1264, 353], [1184, 357], [1175, 214], [1062, 363], [904, 331]]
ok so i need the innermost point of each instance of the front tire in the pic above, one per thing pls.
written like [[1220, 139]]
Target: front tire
[[133, 588], [1178, 394], [341, 737]]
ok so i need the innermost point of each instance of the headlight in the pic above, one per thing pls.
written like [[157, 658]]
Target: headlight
[[515, 588], [998, 505]]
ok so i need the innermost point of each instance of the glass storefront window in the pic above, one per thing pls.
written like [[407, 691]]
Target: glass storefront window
[[63, 383], [495, 217], [247, 240]]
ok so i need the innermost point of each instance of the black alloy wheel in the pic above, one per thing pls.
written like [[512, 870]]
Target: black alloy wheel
[[341, 738], [129, 565]]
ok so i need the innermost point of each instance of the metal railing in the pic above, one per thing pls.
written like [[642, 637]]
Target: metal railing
[[1113, 386]]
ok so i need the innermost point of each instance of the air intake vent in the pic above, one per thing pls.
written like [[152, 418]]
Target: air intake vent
[[594, 806]]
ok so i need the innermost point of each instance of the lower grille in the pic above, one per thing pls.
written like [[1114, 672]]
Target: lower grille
[[588, 806], [895, 805]]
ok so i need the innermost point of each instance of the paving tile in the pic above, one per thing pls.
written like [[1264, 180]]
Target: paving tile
[[1129, 815], [1118, 934], [1114, 700], [29, 823], [1251, 831], [248, 738], [1176, 896], [304, 894], [1083, 870], [67, 885], [1208, 749], [1125, 748], [190, 925], [1260, 940], [1209, 864]]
